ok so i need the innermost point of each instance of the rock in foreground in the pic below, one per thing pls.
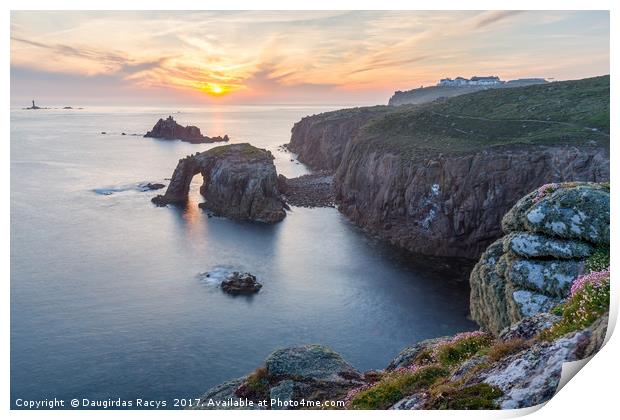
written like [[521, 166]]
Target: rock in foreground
[[169, 129], [240, 182], [241, 284], [550, 235], [310, 373]]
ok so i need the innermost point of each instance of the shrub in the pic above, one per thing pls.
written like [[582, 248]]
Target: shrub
[[395, 386]]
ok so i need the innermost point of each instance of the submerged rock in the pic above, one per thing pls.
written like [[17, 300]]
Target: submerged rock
[[169, 129], [153, 186], [241, 283], [240, 182]]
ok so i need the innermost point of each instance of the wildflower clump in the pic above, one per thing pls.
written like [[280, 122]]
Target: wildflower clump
[[461, 347], [599, 260], [395, 386], [588, 300], [542, 191]]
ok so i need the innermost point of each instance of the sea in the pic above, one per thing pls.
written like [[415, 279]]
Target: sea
[[115, 298]]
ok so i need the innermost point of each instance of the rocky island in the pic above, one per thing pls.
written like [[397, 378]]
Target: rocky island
[[239, 182], [169, 129]]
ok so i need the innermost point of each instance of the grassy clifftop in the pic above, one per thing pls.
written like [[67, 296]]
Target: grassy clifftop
[[559, 113]]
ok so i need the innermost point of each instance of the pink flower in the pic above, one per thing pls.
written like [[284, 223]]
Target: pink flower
[[595, 279], [413, 368], [544, 190]]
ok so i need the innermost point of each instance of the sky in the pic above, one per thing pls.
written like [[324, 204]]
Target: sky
[[288, 57]]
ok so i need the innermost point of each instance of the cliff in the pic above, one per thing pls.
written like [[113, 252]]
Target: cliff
[[436, 179], [239, 182], [320, 140], [515, 367], [169, 129]]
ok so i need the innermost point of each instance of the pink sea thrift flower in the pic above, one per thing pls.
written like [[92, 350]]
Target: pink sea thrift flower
[[544, 190], [413, 368], [595, 279]]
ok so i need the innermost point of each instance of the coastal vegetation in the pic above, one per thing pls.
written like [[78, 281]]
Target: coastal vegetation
[[568, 113]]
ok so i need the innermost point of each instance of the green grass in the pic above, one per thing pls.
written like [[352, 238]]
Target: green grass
[[503, 349], [395, 386], [564, 112], [453, 353], [475, 397]]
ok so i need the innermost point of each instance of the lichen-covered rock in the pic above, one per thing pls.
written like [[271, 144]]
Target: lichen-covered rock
[[311, 361], [240, 182], [531, 377], [468, 366], [523, 303], [283, 391], [551, 278], [412, 402], [576, 210], [549, 235], [488, 304], [409, 354], [532, 245], [529, 327], [223, 397]]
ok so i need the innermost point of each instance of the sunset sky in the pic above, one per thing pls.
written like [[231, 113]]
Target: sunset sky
[[332, 57]]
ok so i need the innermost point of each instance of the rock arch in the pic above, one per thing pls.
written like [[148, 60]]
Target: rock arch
[[239, 182]]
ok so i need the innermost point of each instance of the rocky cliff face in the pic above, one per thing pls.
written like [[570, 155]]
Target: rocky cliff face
[[436, 178], [453, 205], [240, 182], [169, 129], [320, 140], [550, 235]]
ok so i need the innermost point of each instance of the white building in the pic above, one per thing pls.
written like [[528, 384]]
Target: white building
[[474, 81]]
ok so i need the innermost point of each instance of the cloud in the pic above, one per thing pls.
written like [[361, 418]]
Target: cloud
[[257, 52], [491, 17]]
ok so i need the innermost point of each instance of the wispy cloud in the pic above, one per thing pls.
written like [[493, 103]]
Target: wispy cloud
[[247, 53], [495, 16]]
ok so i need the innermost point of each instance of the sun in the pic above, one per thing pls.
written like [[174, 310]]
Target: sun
[[214, 89]]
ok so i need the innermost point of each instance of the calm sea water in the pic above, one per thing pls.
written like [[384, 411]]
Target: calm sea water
[[107, 300]]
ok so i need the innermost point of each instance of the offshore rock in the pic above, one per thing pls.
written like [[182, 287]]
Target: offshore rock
[[169, 129], [241, 284], [240, 182]]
